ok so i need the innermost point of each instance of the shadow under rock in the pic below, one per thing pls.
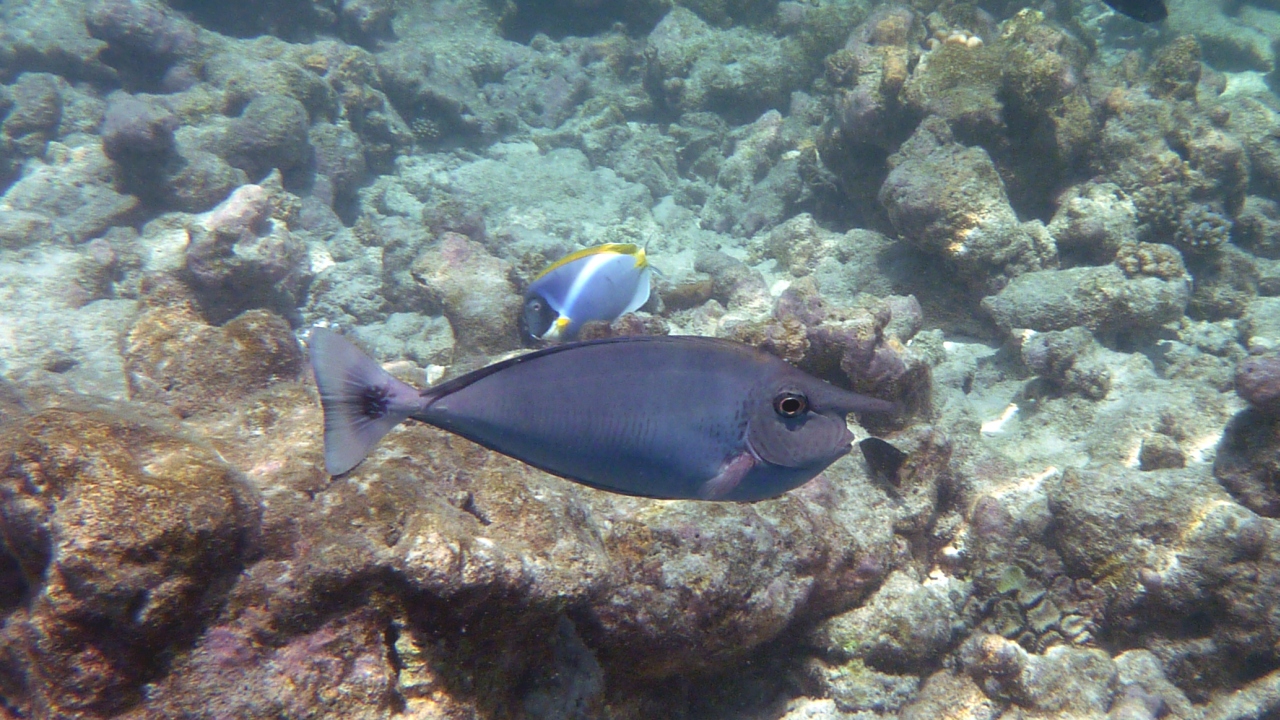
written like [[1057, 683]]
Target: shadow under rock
[[523, 19], [293, 20]]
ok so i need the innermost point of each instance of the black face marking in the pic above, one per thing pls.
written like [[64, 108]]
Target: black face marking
[[790, 404], [373, 401]]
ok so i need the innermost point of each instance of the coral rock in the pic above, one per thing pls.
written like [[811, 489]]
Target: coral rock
[[473, 289], [1248, 461], [1257, 226], [173, 357], [1160, 452], [270, 133], [1101, 299], [1093, 221], [1065, 358], [948, 200], [129, 535], [903, 624], [136, 131], [340, 162], [1258, 382], [77, 188], [242, 256], [35, 113], [695, 68], [196, 180], [948, 694], [142, 29]]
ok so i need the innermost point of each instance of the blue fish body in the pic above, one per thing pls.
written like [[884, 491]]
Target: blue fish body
[[663, 417], [600, 283]]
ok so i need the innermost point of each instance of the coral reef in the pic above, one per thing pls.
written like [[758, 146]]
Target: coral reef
[[1049, 236], [1101, 298], [949, 201]]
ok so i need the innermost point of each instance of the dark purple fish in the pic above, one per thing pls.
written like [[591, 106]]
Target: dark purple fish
[[1147, 11], [661, 417]]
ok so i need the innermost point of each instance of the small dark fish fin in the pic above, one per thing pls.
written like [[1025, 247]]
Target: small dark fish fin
[[1147, 11], [883, 459], [719, 487], [362, 402]]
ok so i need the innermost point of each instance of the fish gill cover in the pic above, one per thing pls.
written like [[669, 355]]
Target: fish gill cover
[[1050, 233]]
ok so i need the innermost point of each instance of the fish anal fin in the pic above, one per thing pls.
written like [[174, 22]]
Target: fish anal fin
[[727, 480]]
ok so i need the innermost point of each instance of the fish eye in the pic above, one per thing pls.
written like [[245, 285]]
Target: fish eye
[[790, 404]]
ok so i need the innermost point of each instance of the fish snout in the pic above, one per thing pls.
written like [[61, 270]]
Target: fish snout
[[839, 400]]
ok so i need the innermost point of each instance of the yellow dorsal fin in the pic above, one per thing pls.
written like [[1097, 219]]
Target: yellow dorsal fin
[[619, 248]]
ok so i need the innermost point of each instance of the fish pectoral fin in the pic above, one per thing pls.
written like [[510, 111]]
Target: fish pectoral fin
[[883, 459], [731, 473], [641, 295]]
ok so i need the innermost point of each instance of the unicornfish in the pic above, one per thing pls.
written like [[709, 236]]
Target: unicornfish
[[660, 417], [600, 283]]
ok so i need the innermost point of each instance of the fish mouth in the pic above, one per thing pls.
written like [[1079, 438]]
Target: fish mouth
[[557, 329], [838, 450], [844, 447]]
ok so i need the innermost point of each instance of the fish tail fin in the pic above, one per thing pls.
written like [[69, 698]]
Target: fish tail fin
[[362, 402]]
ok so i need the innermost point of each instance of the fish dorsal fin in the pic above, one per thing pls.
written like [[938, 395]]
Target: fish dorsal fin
[[619, 248], [452, 385]]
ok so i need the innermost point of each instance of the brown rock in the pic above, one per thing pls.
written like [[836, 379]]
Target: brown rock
[[625, 326], [127, 535], [474, 291], [1258, 382], [341, 664], [174, 358], [1160, 452], [477, 560]]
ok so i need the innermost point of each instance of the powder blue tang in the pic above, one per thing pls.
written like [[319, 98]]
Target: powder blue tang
[[600, 283]]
